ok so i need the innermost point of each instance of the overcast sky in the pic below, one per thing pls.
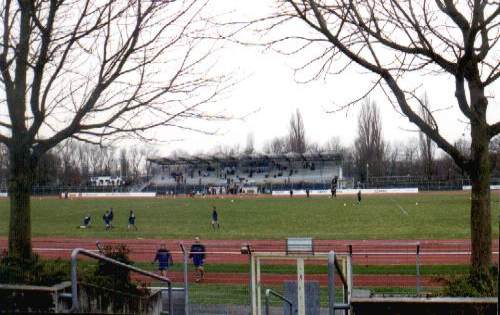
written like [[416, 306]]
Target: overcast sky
[[268, 94]]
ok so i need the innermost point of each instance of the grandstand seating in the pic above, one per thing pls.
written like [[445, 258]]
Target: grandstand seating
[[187, 174]]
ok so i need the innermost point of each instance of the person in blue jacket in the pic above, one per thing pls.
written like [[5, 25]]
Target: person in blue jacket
[[197, 253], [164, 259]]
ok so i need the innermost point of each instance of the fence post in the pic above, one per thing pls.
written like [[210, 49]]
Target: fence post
[[185, 256], [331, 282], [349, 279], [418, 268], [267, 302]]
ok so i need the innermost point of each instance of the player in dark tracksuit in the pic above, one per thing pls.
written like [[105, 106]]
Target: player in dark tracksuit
[[105, 218], [86, 222], [197, 253], [359, 196], [215, 218], [131, 221], [164, 259], [334, 187], [111, 217]]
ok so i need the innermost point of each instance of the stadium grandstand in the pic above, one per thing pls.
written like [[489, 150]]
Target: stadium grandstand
[[245, 173]]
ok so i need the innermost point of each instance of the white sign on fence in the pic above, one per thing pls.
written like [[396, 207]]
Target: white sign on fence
[[301, 192], [492, 187], [109, 195]]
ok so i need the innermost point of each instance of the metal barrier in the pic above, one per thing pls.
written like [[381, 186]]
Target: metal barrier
[[270, 292], [333, 264], [185, 255], [75, 307]]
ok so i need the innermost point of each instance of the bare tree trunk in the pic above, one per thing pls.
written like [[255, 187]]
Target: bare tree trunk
[[20, 184], [480, 173]]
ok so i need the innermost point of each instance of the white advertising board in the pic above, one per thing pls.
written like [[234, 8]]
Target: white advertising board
[[301, 192], [110, 195], [492, 187]]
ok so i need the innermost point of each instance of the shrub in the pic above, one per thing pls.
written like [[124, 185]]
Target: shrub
[[111, 276], [33, 271], [467, 286], [108, 279]]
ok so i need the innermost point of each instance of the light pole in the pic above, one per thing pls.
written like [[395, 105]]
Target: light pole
[[367, 174]]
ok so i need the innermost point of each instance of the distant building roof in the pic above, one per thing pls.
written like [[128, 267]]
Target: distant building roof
[[221, 158]]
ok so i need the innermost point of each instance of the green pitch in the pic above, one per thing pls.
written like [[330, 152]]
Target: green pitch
[[419, 216]]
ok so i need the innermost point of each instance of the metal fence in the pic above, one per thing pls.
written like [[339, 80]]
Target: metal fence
[[375, 182], [389, 268]]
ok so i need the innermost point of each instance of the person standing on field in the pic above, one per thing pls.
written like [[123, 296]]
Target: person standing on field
[[359, 196], [215, 218], [131, 221], [105, 218], [334, 187], [111, 216]]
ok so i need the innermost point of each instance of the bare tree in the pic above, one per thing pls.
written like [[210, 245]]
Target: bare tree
[[92, 70], [410, 157], [250, 145], [138, 158], [70, 174], [124, 163], [369, 145], [335, 145], [277, 145], [427, 146], [392, 166], [83, 153], [394, 39], [296, 134]]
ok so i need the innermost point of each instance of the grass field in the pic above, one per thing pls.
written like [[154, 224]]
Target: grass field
[[418, 216]]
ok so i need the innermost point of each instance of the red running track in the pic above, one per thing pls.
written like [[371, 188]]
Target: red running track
[[400, 281], [365, 252]]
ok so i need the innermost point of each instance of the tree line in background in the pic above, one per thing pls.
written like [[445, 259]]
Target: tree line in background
[[369, 156], [73, 163]]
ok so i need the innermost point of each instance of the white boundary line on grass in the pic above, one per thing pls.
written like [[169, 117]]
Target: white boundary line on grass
[[400, 207]]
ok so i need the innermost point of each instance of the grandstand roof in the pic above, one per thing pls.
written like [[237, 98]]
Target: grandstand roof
[[222, 158]]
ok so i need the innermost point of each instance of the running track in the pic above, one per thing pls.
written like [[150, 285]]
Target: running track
[[365, 252]]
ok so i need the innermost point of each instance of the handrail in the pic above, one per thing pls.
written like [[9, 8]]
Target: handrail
[[333, 265], [279, 296], [185, 256], [75, 307], [340, 273]]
